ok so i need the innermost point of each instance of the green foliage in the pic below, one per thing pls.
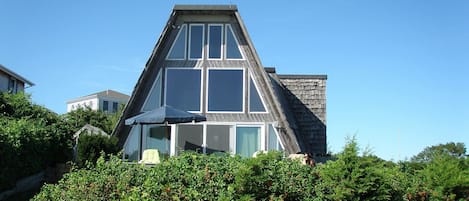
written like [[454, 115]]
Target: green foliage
[[451, 149], [354, 177], [31, 137], [91, 145], [82, 116]]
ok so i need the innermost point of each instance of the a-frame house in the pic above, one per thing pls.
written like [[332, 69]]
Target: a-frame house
[[205, 63]]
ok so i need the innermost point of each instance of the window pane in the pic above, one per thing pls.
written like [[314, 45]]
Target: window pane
[[178, 49], [197, 41], [215, 41], [183, 89], [232, 48], [247, 140], [105, 106], [132, 144], [255, 102], [115, 106], [158, 137], [218, 139], [153, 101], [225, 90], [274, 143], [190, 137]]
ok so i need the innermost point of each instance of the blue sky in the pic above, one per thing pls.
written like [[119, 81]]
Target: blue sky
[[397, 70]]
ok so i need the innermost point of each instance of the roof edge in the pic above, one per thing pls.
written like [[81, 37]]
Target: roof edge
[[185, 7], [19, 77], [292, 76]]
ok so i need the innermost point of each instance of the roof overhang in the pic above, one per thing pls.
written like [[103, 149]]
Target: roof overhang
[[16, 76]]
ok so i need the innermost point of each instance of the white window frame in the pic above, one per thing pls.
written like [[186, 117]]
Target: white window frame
[[203, 41], [229, 28], [158, 77], [251, 78], [174, 42], [276, 134], [221, 45], [207, 92], [201, 85]]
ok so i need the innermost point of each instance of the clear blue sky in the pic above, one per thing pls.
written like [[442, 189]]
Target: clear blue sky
[[398, 70]]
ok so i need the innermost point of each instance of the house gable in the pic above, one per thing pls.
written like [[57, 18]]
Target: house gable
[[204, 62]]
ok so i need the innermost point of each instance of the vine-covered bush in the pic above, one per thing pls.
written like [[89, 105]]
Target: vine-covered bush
[[31, 137]]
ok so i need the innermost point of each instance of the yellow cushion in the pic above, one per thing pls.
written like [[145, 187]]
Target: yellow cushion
[[151, 156]]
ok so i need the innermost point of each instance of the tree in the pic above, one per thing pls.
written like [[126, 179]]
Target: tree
[[82, 116], [451, 149]]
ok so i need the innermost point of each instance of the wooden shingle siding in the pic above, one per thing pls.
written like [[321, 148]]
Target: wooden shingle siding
[[306, 97]]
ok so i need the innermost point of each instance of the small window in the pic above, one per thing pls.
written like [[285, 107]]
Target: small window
[[232, 46], [196, 44], [105, 106], [215, 41], [274, 142], [153, 100], [225, 90], [178, 49], [255, 101], [115, 106], [248, 140], [183, 88], [12, 85]]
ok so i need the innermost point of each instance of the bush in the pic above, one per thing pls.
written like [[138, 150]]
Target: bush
[[90, 146], [31, 137]]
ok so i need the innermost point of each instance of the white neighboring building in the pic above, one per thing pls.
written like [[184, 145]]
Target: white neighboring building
[[107, 101]]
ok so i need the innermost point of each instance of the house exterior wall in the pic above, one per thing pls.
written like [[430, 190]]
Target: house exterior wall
[[91, 102], [4, 79]]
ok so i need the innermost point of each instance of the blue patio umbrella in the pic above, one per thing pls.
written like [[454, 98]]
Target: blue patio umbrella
[[163, 115]]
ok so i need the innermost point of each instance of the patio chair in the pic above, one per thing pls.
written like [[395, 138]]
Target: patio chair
[[150, 156]]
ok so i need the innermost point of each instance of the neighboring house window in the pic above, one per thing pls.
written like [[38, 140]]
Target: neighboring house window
[[178, 49], [225, 90], [255, 100], [12, 85], [196, 41], [105, 106], [215, 33], [115, 106], [248, 140], [183, 88], [153, 100], [232, 46]]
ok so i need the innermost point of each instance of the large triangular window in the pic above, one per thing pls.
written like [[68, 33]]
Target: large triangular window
[[255, 101], [232, 45], [178, 49]]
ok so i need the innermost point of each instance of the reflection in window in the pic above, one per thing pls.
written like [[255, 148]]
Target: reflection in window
[[190, 137], [248, 140], [153, 100], [255, 102], [183, 89], [274, 142], [158, 137], [131, 147], [214, 41], [232, 47], [196, 41], [225, 90], [178, 49], [218, 139]]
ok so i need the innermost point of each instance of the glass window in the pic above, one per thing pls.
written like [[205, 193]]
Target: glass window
[[225, 90], [183, 88], [232, 47], [115, 106], [105, 105], [132, 144], [153, 101], [196, 41], [189, 137], [218, 138], [274, 143], [158, 137], [178, 49], [248, 140], [214, 41], [255, 101]]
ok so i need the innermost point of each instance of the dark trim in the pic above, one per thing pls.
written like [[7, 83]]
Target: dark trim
[[269, 69], [324, 77], [205, 7]]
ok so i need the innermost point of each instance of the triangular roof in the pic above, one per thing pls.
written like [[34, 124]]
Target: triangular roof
[[105, 93], [149, 73]]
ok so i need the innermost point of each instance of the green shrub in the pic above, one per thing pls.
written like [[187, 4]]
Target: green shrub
[[90, 146]]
